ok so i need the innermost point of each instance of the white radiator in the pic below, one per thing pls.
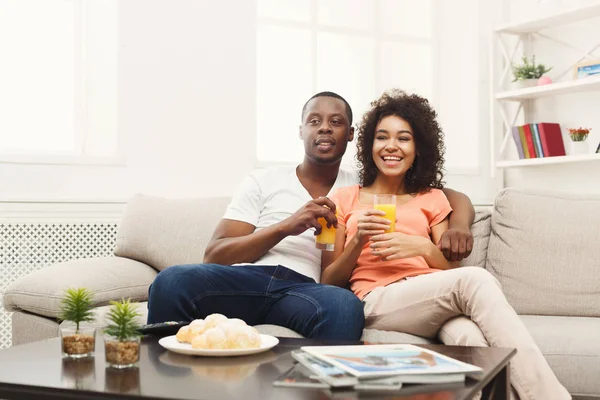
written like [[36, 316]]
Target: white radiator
[[28, 246]]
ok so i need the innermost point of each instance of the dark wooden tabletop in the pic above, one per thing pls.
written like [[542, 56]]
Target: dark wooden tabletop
[[36, 370]]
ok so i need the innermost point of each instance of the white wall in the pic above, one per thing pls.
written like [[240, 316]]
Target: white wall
[[571, 110], [186, 95], [464, 88]]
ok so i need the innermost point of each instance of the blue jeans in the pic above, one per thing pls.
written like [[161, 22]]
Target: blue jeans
[[257, 294]]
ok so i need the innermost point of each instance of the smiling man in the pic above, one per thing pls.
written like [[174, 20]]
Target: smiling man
[[261, 264]]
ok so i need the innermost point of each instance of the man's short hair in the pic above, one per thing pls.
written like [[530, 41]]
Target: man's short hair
[[330, 94]]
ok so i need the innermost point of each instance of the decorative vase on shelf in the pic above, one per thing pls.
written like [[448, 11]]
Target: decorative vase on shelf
[[578, 140], [580, 147], [525, 83]]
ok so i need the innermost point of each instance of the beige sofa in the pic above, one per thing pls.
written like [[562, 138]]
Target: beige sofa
[[542, 247]]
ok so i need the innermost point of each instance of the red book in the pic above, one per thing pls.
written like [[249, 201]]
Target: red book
[[529, 140], [551, 138]]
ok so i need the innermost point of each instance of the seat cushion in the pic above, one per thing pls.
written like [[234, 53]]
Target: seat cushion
[[572, 347], [544, 251]]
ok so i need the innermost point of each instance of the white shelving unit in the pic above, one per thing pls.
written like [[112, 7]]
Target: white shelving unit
[[548, 160], [501, 124]]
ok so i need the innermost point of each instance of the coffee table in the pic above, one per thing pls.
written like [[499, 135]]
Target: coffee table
[[36, 370]]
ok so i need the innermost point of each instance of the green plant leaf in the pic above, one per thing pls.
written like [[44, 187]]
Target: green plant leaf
[[528, 70], [77, 306], [121, 320]]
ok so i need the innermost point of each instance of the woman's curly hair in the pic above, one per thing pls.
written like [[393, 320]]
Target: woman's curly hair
[[427, 169]]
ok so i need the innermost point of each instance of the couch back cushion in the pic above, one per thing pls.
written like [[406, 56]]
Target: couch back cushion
[[480, 229], [544, 251], [162, 232]]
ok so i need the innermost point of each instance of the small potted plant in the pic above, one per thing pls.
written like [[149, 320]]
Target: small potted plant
[[122, 339], [578, 140], [76, 307], [528, 73]]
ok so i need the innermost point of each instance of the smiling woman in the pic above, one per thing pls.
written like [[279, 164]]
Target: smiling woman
[[420, 141], [401, 275]]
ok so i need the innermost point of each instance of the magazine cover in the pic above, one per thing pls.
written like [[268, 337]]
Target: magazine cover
[[387, 360]]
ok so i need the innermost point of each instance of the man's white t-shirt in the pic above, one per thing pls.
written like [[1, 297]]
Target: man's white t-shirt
[[269, 196]]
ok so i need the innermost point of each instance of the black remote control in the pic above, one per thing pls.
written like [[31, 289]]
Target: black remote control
[[161, 329]]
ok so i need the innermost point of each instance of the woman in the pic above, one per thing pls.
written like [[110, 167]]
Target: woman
[[403, 278]]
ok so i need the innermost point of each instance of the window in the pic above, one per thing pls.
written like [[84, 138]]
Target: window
[[58, 80], [355, 48]]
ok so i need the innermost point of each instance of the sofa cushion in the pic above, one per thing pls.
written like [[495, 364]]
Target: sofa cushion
[[161, 232], [480, 229], [544, 251], [109, 278], [572, 348]]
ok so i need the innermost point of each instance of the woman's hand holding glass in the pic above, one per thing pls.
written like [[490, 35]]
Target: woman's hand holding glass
[[370, 223], [397, 245]]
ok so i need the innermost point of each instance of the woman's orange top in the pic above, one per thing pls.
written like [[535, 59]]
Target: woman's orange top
[[415, 217]]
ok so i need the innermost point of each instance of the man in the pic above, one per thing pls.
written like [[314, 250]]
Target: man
[[267, 227]]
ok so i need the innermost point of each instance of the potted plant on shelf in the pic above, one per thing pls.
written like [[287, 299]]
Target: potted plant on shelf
[[528, 73], [122, 339], [76, 307], [578, 140]]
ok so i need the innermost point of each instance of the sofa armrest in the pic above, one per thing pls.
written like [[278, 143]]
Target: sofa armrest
[[108, 278]]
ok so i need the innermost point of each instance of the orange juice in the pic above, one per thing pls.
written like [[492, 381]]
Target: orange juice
[[326, 239], [390, 214]]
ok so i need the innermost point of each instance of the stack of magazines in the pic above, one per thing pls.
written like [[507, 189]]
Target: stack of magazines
[[372, 367]]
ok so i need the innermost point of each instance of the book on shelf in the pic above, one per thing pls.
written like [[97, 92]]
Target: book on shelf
[[523, 141], [551, 138], [538, 140], [517, 138], [402, 361], [529, 139]]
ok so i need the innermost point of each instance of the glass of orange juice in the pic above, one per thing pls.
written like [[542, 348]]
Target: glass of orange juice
[[387, 204], [326, 239]]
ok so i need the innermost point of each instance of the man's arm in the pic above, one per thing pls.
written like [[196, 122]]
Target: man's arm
[[236, 241], [457, 242]]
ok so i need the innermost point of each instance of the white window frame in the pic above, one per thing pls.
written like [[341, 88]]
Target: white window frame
[[81, 112], [376, 34]]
